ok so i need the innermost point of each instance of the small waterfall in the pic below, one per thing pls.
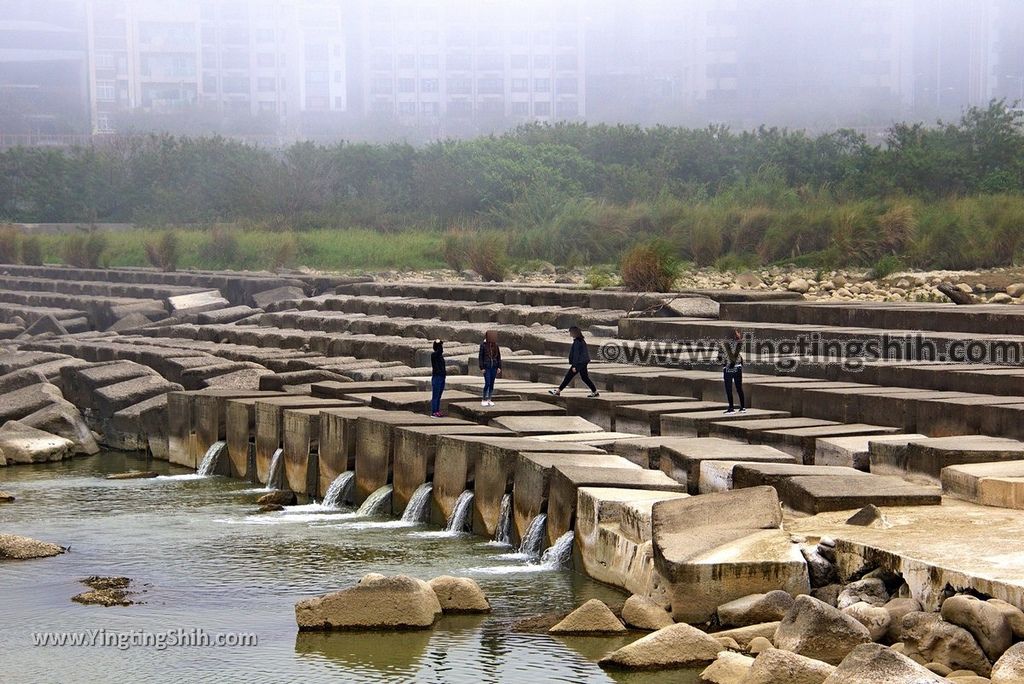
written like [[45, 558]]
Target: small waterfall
[[418, 508], [534, 537], [275, 478], [503, 533], [208, 466], [558, 554], [377, 502], [340, 490], [460, 518]]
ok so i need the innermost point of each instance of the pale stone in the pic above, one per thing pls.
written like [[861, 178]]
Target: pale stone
[[398, 602], [986, 623], [593, 617], [24, 548], [874, 663], [754, 609], [817, 630], [876, 619], [459, 595], [776, 666], [759, 644], [1009, 669], [931, 638], [728, 668], [672, 647], [643, 613]]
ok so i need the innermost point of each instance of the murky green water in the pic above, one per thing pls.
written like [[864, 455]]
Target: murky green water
[[206, 563]]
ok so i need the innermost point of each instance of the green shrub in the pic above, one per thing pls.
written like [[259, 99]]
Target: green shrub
[[85, 250], [600, 276], [10, 244], [223, 247], [163, 252], [285, 251], [454, 248], [487, 254], [650, 267], [886, 266], [32, 250]]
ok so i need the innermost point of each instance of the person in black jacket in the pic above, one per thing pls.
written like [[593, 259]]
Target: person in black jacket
[[438, 374], [490, 364], [579, 359], [732, 370]]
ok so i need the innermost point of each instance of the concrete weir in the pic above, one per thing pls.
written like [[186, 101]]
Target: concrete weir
[[269, 418]]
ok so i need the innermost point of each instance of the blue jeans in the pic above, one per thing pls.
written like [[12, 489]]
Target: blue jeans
[[489, 375], [436, 388]]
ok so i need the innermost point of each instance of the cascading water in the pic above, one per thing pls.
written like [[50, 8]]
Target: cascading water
[[558, 554], [460, 518], [534, 537], [503, 533], [276, 475], [208, 466], [340, 490], [377, 502], [418, 508]]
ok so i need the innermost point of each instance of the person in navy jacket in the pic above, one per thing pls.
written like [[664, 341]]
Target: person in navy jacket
[[579, 359]]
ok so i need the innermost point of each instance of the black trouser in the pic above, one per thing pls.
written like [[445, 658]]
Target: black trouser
[[584, 376], [734, 376]]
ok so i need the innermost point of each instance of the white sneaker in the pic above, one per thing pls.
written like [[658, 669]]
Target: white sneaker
[[483, 403], [490, 403], [743, 410]]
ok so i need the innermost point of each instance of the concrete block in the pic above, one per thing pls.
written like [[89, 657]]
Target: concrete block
[[681, 458], [698, 423], [544, 425], [645, 419], [852, 452]]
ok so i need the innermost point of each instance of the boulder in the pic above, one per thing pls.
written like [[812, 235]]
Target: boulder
[[744, 636], [728, 668], [817, 630], [930, 637], [1009, 669], [134, 475], [760, 645], [280, 497], [748, 280], [15, 547], [874, 663], [828, 593], [1000, 298], [23, 444], [27, 400], [798, 285], [62, 418], [397, 602], [776, 666], [459, 595], [754, 609], [869, 590], [270, 508], [898, 607], [820, 569], [6, 497], [105, 591], [986, 623], [875, 618], [690, 307], [1015, 290], [1014, 617], [593, 617], [677, 646], [869, 516], [643, 613]]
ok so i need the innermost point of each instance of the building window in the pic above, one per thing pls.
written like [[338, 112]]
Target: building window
[[316, 76], [339, 103], [431, 108], [542, 61], [490, 86], [567, 109], [265, 85], [520, 61], [542, 38], [381, 86], [542, 109], [460, 62], [429, 85], [235, 85], [105, 92], [317, 102], [459, 85], [490, 61], [383, 107], [234, 60], [104, 60], [566, 62], [542, 85], [567, 85], [407, 108], [520, 85], [521, 108], [492, 107], [407, 85], [406, 61], [337, 77], [267, 107], [460, 108], [430, 61]]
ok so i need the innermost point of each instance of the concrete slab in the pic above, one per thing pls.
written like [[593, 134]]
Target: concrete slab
[[110, 399], [645, 419], [800, 442], [196, 302], [773, 474], [924, 459], [567, 479], [750, 430], [601, 409], [965, 415], [472, 410], [821, 493], [531, 479], [416, 401], [644, 451], [544, 425], [698, 423], [681, 458], [209, 415], [599, 439], [986, 484], [852, 452], [339, 390], [336, 452]]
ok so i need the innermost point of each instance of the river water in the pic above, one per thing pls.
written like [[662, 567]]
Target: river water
[[203, 561]]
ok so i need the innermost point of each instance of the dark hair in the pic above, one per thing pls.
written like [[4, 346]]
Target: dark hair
[[575, 331], [438, 345]]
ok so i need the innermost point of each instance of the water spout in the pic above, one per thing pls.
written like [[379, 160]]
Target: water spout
[[460, 519], [208, 466], [378, 502], [503, 533], [534, 537], [558, 554], [340, 491], [418, 508], [275, 479]]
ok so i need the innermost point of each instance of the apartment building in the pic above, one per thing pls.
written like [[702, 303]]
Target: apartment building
[[459, 60]]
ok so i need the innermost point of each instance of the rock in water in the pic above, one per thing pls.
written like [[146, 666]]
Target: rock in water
[[280, 497], [874, 663], [1009, 669], [815, 629], [134, 475], [270, 508], [728, 668], [986, 623], [23, 444], [398, 602], [672, 647], [23, 548], [105, 591], [755, 609], [459, 595], [775, 666], [593, 617], [6, 497], [643, 613], [935, 640]]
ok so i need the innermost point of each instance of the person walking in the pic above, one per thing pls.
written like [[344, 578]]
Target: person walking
[[438, 375], [579, 359], [732, 370], [490, 364]]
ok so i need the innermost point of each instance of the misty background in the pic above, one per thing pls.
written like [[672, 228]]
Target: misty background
[[275, 71]]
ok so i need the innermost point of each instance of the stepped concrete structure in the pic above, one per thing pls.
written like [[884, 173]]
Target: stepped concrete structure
[[667, 495]]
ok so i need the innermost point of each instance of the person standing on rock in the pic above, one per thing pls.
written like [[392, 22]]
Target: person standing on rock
[[579, 359], [490, 364], [732, 367], [438, 374]]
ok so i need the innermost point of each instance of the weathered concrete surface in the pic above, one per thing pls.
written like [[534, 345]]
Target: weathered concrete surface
[[750, 430], [63, 419], [924, 459], [958, 544], [110, 399], [340, 390], [22, 402], [375, 446], [544, 425], [209, 415], [79, 383], [337, 443], [23, 444], [1000, 483], [613, 538], [645, 419], [800, 442], [416, 401], [472, 410], [301, 440], [413, 460], [698, 423], [567, 479], [817, 493], [601, 410], [715, 548], [269, 423], [774, 474], [852, 452], [681, 457], [195, 302], [532, 476]]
